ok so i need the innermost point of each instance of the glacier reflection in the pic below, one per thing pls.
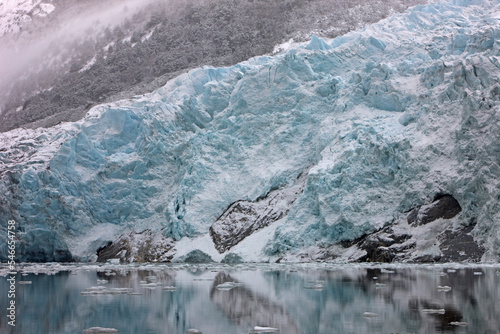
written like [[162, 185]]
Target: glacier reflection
[[175, 298]]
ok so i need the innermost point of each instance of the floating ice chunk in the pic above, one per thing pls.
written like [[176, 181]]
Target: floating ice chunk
[[379, 285], [478, 273], [451, 271], [260, 329], [386, 271], [113, 261], [444, 288], [443, 274], [149, 285], [498, 273], [100, 330], [375, 278], [24, 282], [193, 331], [370, 315], [433, 311], [102, 281], [228, 285], [317, 286], [101, 290], [459, 323], [170, 288], [118, 291], [134, 293]]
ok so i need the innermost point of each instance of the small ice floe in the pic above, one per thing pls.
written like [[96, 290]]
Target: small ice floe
[[100, 330], [317, 286], [113, 261], [370, 315], [24, 282], [458, 323], [451, 270], [261, 329], [433, 311], [148, 285], [102, 281], [478, 273], [379, 285], [134, 293], [386, 271], [24, 274], [228, 285], [193, 331], [498, 273], [101, 290], [443, 274], [118, 291], [170, 288], [109, 273], [444, 288], [375, 278]]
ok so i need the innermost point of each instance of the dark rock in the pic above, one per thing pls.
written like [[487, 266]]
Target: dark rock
[[430, 258], [381, 246], [197, 256], [458, 246], [444, 206], [242, 218], [138, 247]]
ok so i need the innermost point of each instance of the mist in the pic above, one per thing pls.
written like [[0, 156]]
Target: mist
[[42, 50]]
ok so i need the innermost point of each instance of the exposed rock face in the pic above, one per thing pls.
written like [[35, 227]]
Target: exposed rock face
[[242, 218], [460, 246], [445, 206], [384, 246], [138, 247]]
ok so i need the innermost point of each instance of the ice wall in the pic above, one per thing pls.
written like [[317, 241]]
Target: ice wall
[[388, 117]]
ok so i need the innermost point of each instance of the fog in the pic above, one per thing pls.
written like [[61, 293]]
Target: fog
[[24, 53]]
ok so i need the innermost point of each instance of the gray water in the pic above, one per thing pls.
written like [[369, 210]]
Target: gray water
[[399, 299]]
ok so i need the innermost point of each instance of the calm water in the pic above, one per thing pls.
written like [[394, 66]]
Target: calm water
[[309, 299]]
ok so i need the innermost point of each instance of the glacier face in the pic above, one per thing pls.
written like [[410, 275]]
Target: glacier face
[[381, 120]]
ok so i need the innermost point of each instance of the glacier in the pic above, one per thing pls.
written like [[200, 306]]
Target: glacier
[[352, 134]]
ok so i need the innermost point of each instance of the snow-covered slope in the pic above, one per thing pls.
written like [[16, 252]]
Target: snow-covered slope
[[16, 13], [365, 140]]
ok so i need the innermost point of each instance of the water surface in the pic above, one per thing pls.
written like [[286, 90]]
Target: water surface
[[305, 299]]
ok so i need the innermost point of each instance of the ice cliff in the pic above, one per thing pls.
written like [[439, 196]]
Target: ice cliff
[[331, 151]]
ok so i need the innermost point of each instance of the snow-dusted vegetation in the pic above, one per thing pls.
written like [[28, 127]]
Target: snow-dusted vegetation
[[88, 52]]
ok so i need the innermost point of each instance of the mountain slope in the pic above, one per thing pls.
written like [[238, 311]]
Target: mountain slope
[[89, 52], [380, 145]]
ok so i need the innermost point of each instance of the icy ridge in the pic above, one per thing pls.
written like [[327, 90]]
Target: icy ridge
[[389, 117]]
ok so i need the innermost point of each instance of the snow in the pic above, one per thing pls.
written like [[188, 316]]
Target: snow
[[88, 65], [14, 13], [100, 330], [381, 120]]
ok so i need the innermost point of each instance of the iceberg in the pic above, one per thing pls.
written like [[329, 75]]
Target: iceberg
[[348, 137]]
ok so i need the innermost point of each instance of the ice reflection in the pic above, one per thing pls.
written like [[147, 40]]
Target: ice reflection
[[173, 299]]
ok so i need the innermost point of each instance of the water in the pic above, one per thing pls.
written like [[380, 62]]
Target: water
[[308, 299]]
